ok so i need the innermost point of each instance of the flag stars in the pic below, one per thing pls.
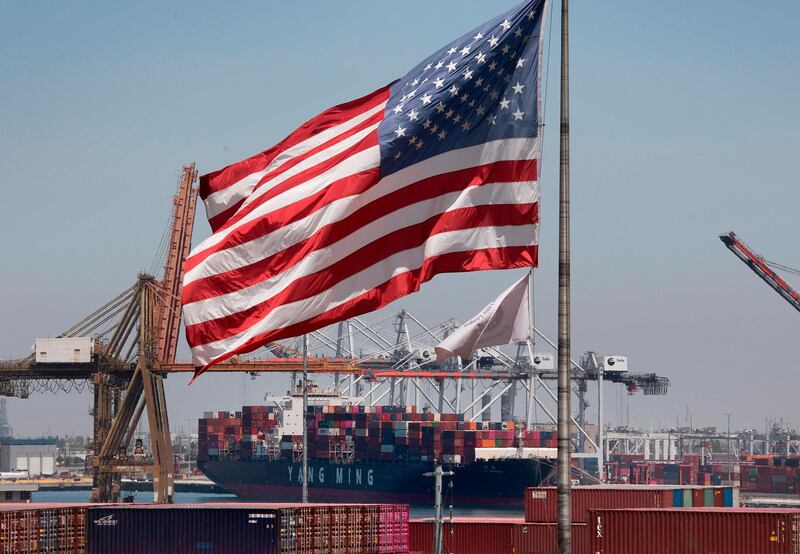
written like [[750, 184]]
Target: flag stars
[[441, 135], [398, 108], [464, 97], [467, 75], [518, 32], [494, 95], [492, 65], [494, 41], [505, 49], [471, 103], [434, 128], [453, 90], [440, 107], [397, 156], [518, 115], [479, 36], [449, 113], [426, 99], [412, 140], [518, 88], [457, 118], [531, 14], [481, 57], [415, 82], [419, 144], [413, 115], [493, 119], [401, 131], [452, 50], [465, 126], [439, 65], [427, 67], [521, 62], [464, 51], [504, 104], [438, 82], [479, 82], [451, 67], [505, 25], [426, 123], [480, 110]]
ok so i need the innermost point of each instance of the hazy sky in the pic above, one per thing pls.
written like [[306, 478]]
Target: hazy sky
[[684, 125]]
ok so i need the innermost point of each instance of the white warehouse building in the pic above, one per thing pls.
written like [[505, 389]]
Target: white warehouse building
[[36, 456]]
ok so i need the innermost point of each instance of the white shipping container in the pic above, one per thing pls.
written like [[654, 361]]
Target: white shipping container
[[68, 350], [511, 452]]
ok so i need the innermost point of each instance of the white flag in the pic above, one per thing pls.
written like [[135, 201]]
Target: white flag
[[506, 319]]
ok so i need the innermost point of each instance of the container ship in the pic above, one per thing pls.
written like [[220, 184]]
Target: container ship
[[360, 453]]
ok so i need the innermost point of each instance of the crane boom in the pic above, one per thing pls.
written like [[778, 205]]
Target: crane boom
[[760, 268]]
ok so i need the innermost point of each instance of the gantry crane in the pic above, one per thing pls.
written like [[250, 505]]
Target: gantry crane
[[763, 268]]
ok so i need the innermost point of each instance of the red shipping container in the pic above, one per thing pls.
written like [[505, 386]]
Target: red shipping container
[[678, 531], [541, 502], [495, 536]]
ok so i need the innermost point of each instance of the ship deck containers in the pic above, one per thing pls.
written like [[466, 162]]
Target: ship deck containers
[[695, 531]]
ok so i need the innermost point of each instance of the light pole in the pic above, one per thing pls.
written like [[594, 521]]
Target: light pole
[[729, 447]]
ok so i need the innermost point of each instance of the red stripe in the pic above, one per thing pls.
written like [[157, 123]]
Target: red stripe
[[331, 117], [396, 287], [505, 171], [403, 239], [219, 220]]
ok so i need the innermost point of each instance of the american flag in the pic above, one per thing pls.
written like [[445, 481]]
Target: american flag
[[434, 173]]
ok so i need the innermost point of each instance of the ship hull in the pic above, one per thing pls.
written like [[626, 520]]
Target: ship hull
[[481, 483]]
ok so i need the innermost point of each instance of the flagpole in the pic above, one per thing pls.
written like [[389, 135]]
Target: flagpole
[[564, 336], [305, 419]]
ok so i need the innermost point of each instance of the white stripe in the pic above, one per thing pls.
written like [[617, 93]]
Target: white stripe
[[490, 152], [347, 289], [489, 194], [219, 201]]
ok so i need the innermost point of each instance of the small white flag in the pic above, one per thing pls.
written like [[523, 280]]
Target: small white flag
[[505, 320]]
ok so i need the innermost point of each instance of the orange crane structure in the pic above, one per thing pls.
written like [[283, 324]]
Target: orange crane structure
[[764, 269]]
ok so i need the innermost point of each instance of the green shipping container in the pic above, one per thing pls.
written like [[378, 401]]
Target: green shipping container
[[687, 498], [709, 498]]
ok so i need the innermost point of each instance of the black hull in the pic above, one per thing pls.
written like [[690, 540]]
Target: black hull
[[481, 483]]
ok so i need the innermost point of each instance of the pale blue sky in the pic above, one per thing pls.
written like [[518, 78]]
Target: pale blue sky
[[684, 125]]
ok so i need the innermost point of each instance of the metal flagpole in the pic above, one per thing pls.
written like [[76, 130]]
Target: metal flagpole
[[564, 511], [305, 419]]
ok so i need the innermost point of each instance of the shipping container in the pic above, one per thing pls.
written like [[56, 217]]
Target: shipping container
[[43, 528], [695, 531], [67, 350], [541, 502], [249, 528], [495, 536]]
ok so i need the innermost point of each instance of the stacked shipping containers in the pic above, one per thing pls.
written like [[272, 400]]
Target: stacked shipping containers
[[495, 536], [29, 528], [216, 432], [249, 528], [541, 502], [731, 531], [385, 433]]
